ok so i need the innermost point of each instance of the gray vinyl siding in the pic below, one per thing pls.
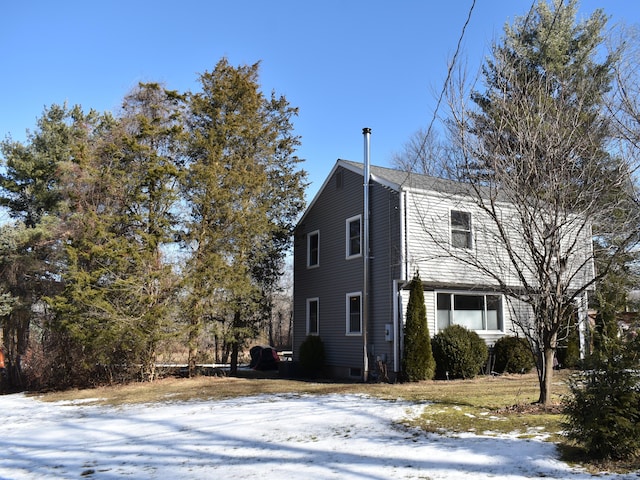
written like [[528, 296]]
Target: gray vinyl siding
[[430, 253], [424, 246], [336, 276], [385, 267], [430, 250], [428, 239]]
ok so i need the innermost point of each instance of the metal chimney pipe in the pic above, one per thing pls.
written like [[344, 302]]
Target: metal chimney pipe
[[365, 250]]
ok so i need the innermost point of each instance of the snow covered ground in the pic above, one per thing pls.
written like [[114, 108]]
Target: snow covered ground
[[277, 437]]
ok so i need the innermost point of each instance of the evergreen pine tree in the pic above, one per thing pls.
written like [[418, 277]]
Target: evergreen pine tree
[[417, 359], [116, 306]]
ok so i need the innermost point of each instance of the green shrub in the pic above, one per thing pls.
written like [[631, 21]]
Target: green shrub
[[603, 408], [512, 355], [568, 352], [417, 357], [603, 413], [459, 353], [312, 355]]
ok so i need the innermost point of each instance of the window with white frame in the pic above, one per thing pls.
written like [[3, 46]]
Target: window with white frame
[[354, 313], [474, 311], [313, 316], [354, 236], [313, 249], [461, 236]]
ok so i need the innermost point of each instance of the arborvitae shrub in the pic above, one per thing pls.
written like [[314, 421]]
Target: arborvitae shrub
[[312, 355], [459, 352], [512, 355], [417, 358]]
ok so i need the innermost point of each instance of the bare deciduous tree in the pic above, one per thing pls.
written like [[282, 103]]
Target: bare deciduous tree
[[423, 153], [535, 149]]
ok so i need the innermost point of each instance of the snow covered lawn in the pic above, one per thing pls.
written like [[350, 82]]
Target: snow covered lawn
[[280, 437]]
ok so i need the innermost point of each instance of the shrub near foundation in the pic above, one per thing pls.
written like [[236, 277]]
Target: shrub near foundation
[[312, 355], [459, 353], [512, 355]]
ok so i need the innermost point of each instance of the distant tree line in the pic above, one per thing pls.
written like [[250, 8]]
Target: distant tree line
[[139, 233]]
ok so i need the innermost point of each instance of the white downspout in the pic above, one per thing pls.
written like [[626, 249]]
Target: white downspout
[[396, 327], [365, 288], [397, 284], [403, 235], [583, 321]]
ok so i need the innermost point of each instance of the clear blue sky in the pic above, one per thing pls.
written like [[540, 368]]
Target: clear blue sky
[[345, 64]]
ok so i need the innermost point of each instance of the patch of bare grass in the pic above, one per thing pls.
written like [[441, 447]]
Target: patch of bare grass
[[493, 406], [482, 392], [574, 455], [453, 419], [198, 388]]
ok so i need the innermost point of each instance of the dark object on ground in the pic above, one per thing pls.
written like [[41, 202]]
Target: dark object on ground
[[263, 358]]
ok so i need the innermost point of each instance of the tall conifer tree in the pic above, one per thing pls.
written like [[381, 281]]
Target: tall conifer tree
[[244, 191], [30, 187], [122, 194], [417, 358]]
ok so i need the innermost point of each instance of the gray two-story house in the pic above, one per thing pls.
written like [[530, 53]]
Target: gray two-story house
[[416, 223]]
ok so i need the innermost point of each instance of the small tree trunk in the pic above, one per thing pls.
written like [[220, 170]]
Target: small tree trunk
[[16, 340], [194, 332], [272, 341], [545, 376], [149, 366], [235, 343], [233, 366]]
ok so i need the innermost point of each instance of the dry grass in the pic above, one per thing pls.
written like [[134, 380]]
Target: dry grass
[[482, 392], [198, 388]]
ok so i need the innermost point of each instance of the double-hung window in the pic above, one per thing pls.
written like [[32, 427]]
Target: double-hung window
[[313, 249], [461, 236], [473, 311], [354, 313], [354, 236], [313, 316]]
